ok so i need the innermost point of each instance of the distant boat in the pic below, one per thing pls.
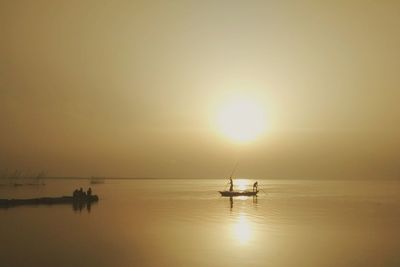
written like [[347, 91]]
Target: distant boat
[[232, 193], [238, 193], [97, 180]]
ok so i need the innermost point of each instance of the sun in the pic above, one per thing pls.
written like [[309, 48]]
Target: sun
[[242, 184], [241, 120]]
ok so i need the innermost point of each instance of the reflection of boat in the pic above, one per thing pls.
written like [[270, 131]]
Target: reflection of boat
[[238, 193], [231, 200]]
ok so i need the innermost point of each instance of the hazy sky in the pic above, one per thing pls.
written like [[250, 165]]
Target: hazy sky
[[132, 88]]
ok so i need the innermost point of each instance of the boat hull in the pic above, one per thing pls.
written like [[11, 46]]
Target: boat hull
[[238, 193], [48, 201]]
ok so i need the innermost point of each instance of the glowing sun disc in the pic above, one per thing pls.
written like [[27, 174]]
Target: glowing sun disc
[[241, 120]]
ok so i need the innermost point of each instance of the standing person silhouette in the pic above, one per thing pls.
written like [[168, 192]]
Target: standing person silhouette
[[255, 186], [231, 182]]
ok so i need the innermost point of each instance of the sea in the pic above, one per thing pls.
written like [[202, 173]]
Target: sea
[[185, 222]]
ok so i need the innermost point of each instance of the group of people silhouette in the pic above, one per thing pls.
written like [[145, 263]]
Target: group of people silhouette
[[80, 194]]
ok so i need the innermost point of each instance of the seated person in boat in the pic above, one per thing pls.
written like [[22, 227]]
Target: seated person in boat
[[81, 195]]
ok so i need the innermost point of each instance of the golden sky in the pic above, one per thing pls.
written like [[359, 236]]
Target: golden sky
[[132, 88]]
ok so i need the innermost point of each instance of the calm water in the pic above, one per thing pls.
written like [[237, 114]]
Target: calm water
[[187, 223]]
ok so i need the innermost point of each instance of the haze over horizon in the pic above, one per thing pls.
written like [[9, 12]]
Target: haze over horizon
[[134, 89]]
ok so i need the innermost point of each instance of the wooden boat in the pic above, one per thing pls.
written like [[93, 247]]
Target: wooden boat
[[238, 193], [48, 201], [232, 193]]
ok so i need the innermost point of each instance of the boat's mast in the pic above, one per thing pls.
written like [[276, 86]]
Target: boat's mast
[[233, 171]]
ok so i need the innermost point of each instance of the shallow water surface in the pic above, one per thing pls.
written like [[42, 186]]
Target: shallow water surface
[[186, 223]]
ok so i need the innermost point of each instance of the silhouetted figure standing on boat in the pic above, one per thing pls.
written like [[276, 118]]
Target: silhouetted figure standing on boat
[[89, 192], [255, 186], [231, 182], [75, 194]]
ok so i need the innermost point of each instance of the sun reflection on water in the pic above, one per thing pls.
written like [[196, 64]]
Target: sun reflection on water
[[241, 184], [242, 230]]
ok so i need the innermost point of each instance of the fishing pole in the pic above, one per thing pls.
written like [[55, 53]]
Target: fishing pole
[[234, 169], [263, 191]]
